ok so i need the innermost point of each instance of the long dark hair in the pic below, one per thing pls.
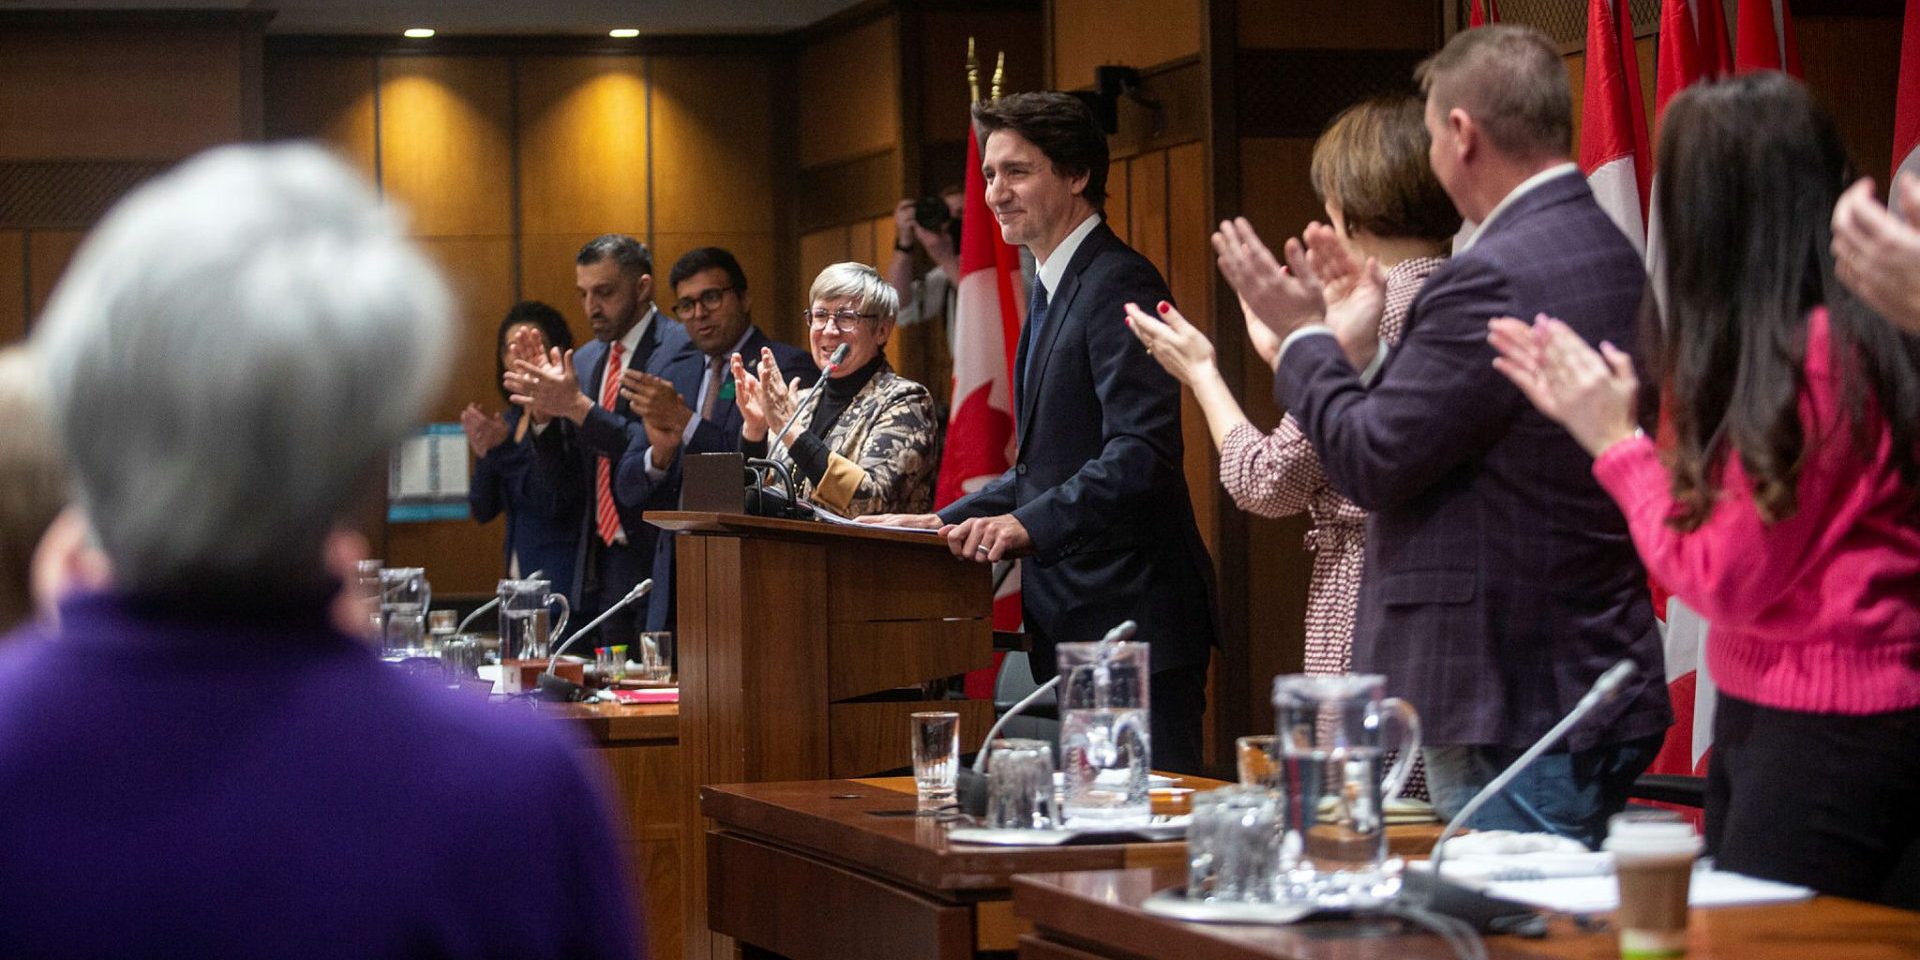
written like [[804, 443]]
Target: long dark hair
[[551, 324], [1750, 168]]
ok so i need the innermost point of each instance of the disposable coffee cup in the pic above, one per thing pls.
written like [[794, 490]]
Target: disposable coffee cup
[[1653, 854]]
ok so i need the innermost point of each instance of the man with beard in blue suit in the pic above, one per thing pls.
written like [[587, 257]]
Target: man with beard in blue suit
[[688, 406], [582, 423]]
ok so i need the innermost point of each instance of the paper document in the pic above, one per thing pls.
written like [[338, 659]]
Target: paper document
[[1710, 888], [831, 517]]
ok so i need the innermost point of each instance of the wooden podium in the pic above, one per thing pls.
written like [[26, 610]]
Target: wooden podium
[[801, 647]]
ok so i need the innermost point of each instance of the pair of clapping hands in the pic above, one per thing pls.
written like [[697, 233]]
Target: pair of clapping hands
[[1325, 282], [547, 385]]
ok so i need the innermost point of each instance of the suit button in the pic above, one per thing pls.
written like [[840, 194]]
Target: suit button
[[1021, 469]]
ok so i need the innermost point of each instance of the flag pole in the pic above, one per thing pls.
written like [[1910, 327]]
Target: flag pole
[[973, 74], [999, 73]]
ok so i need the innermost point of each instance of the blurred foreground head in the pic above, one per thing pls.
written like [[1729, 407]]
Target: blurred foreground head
[[229, 359]]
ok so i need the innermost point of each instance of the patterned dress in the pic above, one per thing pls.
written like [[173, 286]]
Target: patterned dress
[[1278, 475]]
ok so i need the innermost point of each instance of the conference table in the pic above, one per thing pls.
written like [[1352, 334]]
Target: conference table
[[846, 870], [1097, 914]]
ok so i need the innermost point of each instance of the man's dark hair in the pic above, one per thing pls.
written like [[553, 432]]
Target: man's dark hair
[[1061, 126], [707, 258], [632, 255]]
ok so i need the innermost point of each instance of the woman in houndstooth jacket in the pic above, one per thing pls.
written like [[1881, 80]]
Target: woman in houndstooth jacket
[[1386, 208]]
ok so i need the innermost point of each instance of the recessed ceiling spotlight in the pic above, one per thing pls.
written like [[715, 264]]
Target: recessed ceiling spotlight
[[623, 33], [419, 33]]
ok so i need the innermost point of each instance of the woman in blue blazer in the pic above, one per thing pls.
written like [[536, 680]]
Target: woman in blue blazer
[[543, 518]]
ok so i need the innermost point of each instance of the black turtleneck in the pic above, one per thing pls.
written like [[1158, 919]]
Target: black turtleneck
[[809, 449]]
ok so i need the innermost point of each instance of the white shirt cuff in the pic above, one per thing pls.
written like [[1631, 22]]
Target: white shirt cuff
[[1372, 372], [652, 473]]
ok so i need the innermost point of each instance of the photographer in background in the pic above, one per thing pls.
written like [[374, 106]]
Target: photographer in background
[[925, 347]]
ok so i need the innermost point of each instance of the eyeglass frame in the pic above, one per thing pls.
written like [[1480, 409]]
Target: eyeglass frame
[[843, 320], [710, 300]]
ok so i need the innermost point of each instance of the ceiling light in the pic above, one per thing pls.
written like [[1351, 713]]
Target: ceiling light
[[419, 33], [623, 33]]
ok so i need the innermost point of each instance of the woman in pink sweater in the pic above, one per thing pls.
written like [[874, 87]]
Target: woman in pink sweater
[[1785, 509]]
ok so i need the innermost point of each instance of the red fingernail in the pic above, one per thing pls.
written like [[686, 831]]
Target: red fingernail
[[1165, 306]]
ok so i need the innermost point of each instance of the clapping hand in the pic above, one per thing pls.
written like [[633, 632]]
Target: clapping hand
[[764, 397], [1285, 298], [1591, 393], [1876, 253], [546, 385], [1355, 291], [483, 432], [1172, 342], [661, 411]]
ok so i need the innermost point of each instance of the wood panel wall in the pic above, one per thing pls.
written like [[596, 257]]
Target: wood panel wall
[[75, 135], [507, 163]]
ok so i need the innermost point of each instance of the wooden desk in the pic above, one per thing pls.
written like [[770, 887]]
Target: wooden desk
[[843, 870], [1088, 916], [639, 747]]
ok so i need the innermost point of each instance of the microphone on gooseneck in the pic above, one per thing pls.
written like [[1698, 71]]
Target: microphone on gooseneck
[[1491, 913], [489, 605], [833, 363], [553, 687]]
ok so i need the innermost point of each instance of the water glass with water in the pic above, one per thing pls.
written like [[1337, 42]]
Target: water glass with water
[[1255, 760], [1332, 743], [1233, 845], [404, 596], [1105, 750], [440, 627], [524, 618], [936, 756], [460, 658], [1020, 792], [656, 656]]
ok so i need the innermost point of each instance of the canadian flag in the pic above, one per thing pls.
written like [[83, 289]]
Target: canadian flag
[[1906, 111], [1763, 37], [1710, 38], [980, 430], [1613, 126], [1482, 13], [1681, 62]]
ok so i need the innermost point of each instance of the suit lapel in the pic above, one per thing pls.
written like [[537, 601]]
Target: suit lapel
[[1059, 308]]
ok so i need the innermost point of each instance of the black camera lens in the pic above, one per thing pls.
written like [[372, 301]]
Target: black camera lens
[[931, 212]]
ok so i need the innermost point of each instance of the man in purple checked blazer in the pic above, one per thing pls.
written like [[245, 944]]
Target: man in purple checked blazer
[[1500, 581]]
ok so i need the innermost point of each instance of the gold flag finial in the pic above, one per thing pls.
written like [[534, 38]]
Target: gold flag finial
[[973, 73], [999, 73]]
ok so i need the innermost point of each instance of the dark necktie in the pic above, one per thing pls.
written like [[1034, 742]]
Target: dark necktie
[[1036, 321], [709, 398]]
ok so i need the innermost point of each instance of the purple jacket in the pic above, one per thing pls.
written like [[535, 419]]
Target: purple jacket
[[210, 782]]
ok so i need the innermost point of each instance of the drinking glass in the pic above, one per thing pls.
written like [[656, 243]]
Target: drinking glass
[[1104, 739], [404, 596], [524, 618], [610, 664], [1020, 785], [460, 658], [656, 656], [366, 589], [1246, 845], [936, 756], [1332, 741]]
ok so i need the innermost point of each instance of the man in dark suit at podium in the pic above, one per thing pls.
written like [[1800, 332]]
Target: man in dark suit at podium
[[688, 405], [1096, 501]]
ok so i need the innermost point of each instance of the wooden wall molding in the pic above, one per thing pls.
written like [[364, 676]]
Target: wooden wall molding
[[71, 194], [848, 191], [1294, 93]]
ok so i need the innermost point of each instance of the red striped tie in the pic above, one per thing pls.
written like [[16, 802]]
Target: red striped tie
[[609, 517]]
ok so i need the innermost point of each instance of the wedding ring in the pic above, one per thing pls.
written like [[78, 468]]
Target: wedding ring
[[981, 548]]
